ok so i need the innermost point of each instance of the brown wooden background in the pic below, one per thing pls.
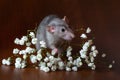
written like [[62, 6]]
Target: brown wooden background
[[103, 16]]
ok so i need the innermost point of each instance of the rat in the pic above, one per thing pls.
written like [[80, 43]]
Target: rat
[[53, 31]]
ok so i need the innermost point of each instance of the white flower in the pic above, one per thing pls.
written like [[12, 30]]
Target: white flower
[[60, 65], [74, 68], [33, 58], [69, 48], [15, 51], [23, 64], [93, 48], [4, 61], [17, 65], [42, 44], [24, 38], [103, 55], [18, 60], [68, 53], [68, 69], [28, 44], [88, 43], [58, 59], [90, 64], [74, 62], [85, 48], [48, 54], [46, 59], [92, 59], [9, 58], [53, 68], [79, 64], [93, 67], [7, 62], [32, 34], [110, 66], [95, 52], [17, 41], [55, 61], [20, 64], [21, 42], [25, 56], [39, 56], [22, 52], [78, 59], [29, 50], [49, 64], [70, 58], [84, 36], [34, 41], [51, 58], [82, 54], [42, 64], [69, 64], [88, 30], [46, 69], [42, 67]]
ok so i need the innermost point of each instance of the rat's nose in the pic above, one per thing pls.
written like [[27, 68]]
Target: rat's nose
[[72, 35]]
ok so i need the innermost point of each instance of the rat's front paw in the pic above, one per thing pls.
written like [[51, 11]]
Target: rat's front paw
[[54, 51]]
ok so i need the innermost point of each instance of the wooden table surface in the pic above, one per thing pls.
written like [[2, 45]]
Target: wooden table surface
[[102, 16]]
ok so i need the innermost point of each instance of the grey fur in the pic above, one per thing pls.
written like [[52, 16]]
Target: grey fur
[[53, 39]]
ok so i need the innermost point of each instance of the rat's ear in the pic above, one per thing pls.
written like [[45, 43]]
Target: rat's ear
[[66, 19], [51, 29]]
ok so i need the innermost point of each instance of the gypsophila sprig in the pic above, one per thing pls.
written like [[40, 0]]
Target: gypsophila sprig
[[49, 60]]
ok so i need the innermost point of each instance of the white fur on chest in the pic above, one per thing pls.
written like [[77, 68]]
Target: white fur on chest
[[50, 39]]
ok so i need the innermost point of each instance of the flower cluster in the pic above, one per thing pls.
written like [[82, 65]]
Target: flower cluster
[[72, 64], [6, 61], [21, 41], [47, 60], [19, 63]]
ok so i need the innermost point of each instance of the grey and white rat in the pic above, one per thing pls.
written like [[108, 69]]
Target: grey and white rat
[[53, 31]]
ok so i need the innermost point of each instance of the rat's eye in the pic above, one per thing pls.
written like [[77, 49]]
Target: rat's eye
[[63, 30]]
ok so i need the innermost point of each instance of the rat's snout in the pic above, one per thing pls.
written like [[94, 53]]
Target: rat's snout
[[69, 36], [72, 35]]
